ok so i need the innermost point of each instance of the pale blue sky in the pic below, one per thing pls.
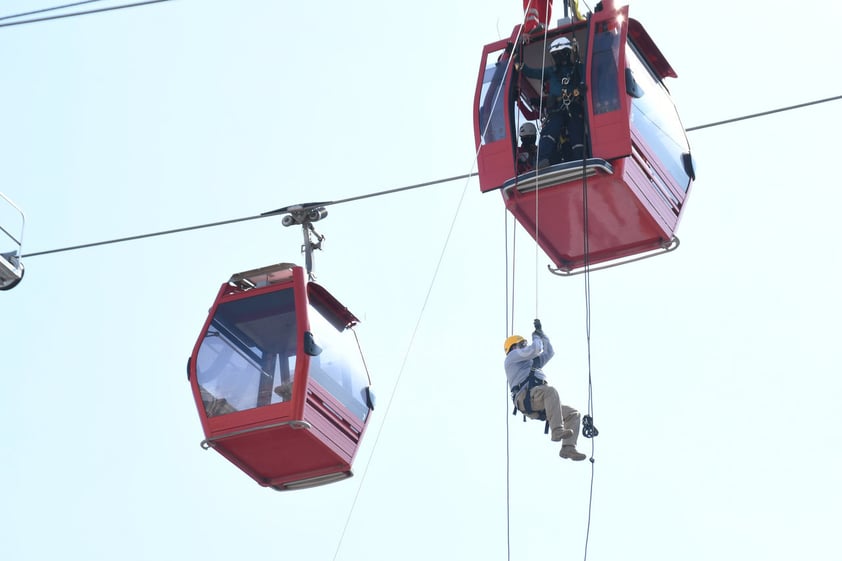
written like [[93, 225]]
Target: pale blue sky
[[715, 368]]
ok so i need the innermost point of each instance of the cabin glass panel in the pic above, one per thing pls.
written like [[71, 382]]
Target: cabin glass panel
[[247, 356], [339, 367], [656, 119], [604, 79], [492, 117]]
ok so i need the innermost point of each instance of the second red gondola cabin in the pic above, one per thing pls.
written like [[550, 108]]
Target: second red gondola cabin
[[279, 380]]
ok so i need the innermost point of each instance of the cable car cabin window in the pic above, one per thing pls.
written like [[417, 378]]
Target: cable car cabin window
[[604, 85], [339, 367], [247, 356], [492, 116], [655, 118]]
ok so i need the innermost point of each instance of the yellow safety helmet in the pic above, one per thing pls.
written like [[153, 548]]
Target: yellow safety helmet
[[513, 340]]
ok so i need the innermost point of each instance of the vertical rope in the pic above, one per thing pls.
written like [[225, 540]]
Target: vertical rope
[[506, 417], [537, 157], [537, 152], [587, 282]]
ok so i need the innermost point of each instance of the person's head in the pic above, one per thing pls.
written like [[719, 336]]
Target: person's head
[[528, 133], [513, 342], [561, 50]]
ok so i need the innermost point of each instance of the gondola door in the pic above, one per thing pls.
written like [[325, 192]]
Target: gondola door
[[493, 121], [608, 107]]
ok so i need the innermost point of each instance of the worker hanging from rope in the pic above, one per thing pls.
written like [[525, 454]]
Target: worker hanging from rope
[[532, 395]]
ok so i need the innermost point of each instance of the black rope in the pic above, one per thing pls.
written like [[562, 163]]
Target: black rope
[[586, 262], [109, 9]]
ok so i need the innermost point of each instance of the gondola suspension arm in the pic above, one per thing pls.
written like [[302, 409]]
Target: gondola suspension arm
[[305, 215]]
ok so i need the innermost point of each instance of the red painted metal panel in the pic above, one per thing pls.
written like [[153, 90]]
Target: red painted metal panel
[[619, 223], [610, 136], [650, 50], [495, 159], [281, 455], [311, 435]]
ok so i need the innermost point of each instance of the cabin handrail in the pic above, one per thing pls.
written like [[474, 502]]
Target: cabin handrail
[[667, 247], [18, 241], [555, 174], [208, 442]]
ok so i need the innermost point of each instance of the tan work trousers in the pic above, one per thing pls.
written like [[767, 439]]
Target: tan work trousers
[[559, 416]]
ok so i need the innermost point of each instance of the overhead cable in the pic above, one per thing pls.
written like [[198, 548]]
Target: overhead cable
[[378, 193], [42, 10], [73, 14], [763, 114], [245, 218]]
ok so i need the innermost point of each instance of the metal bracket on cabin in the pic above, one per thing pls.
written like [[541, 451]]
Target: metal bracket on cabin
[[304, 214]]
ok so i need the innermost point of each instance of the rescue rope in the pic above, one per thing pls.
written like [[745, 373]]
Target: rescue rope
[[589, 431], [510, 313], [417, 324], [404, 362], [538, 136], [506, 416], [537, 155]]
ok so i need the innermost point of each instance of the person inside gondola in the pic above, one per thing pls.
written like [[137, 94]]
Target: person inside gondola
[[563, 131], [533, 396], [527, 152]]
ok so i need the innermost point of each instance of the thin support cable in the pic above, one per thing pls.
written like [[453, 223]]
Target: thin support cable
[[514, 270], [587, 286], [506, 416], [42, 10], [100, 10], [379, 193], [764, 113], [259, 216], [537, 154], [142, 236], [403, 366]]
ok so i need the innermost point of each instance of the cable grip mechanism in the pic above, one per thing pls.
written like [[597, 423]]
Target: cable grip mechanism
[[305, 215]]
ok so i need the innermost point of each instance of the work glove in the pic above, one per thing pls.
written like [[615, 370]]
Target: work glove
[[538, 330]]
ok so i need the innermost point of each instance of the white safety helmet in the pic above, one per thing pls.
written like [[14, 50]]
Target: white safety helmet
[[527, 129], [560, 44]]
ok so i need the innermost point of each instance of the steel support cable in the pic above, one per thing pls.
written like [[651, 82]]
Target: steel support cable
[[764, 113], [245, 218], [381, 193], [73, 14], [42, 10]]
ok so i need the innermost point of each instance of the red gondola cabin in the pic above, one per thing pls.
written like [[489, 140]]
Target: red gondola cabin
[[637, 166], [279, 380]]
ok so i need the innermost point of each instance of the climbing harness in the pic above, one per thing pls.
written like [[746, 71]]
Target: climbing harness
[[525, 387]]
